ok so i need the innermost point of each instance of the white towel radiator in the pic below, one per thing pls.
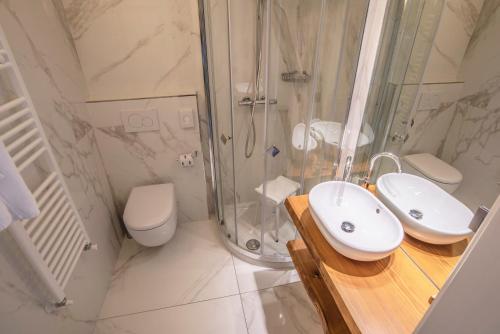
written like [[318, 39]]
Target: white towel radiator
[[53, 241]]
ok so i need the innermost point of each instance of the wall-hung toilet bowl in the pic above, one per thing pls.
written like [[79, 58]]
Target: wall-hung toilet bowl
[[433, 169], [151, 214]]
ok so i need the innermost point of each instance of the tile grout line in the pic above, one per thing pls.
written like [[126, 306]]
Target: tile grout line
[[269, 288], [166, 307], [137, 252], [239, 294]]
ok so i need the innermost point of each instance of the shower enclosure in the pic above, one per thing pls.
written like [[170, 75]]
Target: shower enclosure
[[279, 76]]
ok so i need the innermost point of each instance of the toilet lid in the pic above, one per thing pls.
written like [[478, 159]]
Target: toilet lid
[[434, 168], [149, 206]]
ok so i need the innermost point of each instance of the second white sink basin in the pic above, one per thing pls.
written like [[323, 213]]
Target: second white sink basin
[[427, 212], [354, 222]]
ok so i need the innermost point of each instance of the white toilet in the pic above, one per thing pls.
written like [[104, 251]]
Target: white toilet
[[434, 169], [151, 214]]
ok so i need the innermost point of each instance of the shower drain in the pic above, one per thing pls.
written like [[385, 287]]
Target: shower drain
[[253, 244]]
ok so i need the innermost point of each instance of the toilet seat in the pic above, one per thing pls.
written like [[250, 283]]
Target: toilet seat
[[434, 168], [149, 207]]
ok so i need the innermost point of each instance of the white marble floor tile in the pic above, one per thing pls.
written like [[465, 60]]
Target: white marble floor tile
[[193, 266], [282, 309], [252, 278], [217, 316]]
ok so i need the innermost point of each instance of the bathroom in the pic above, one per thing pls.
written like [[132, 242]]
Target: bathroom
[[173, 134]]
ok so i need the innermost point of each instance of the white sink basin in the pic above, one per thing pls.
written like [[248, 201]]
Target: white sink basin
[[331, 132], [427, 212], [354, 222], [298, 138]]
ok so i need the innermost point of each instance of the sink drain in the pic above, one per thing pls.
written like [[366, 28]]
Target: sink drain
[[416, 214], [253, 244], [347, 227]]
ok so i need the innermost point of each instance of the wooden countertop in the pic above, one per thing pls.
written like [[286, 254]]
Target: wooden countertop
[[437, 261], [386, 296], [330, 315]]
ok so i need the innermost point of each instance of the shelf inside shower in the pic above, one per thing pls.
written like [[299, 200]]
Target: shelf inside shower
[[249, 229]]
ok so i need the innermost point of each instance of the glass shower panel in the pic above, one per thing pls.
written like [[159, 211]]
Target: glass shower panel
[[218, 48], [281, 74], [314, 47], [407, 39], [248, 31], [423, 41], [392, 59], [292, 44], [339, 43]]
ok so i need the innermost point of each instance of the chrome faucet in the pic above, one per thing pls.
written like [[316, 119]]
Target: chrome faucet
[[348, 168], [389, 155]]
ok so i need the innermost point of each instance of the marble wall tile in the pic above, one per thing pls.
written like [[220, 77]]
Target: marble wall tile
[[472, 143], [427, 26], [429, 124], [472, 147], [141, 49], [52, 73], [22, 296], [479, 68], [458, 19], [141, 158], [137, 48]]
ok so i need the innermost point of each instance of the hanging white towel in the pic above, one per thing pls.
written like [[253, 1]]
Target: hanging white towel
[[14, 194]]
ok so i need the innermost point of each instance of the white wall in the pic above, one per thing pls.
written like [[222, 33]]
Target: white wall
[[470, 300]]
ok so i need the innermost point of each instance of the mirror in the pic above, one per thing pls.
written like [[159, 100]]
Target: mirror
[[434, 103]]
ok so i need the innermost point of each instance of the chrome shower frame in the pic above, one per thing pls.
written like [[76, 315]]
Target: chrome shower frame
[[276, 260], [370, 41]]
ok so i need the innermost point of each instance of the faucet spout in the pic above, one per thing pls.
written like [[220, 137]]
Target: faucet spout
[[374, 159]]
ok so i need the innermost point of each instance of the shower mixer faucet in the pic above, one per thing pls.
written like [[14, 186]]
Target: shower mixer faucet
[[247, 101]]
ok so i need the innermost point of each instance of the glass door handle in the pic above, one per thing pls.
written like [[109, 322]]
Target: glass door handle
[[224, 139]]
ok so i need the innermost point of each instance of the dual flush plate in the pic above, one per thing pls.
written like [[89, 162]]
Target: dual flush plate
[[146, 120]]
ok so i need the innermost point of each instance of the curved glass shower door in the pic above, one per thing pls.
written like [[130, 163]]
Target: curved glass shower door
[[281, 76]]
